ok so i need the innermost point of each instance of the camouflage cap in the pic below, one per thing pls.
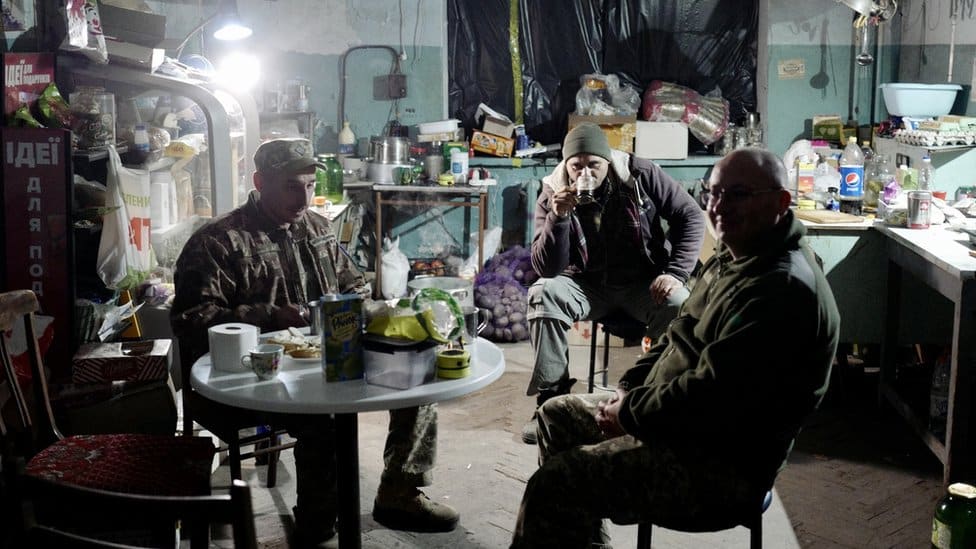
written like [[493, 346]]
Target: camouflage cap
[[285, 155]]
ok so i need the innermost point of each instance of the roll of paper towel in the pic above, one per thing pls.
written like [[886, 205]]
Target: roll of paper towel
[[229, 343]]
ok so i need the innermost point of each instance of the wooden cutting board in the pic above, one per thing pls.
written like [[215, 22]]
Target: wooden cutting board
[[827, 216]]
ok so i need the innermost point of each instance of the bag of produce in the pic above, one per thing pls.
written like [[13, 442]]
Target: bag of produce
[[500, 289]]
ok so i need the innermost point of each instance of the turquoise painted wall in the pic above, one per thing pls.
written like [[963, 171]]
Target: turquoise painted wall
[[811, 69]]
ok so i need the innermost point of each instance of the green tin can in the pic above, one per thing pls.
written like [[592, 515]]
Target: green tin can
[[954, 523], [342, 328]]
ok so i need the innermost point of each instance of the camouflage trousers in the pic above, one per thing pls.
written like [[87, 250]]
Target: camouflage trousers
[[408, 457], [555, 303], [584, 478]]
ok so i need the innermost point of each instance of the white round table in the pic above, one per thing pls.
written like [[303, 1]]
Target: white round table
[[300, 388]]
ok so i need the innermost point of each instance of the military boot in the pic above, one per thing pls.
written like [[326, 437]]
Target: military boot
[[530, 429], [407, 508]]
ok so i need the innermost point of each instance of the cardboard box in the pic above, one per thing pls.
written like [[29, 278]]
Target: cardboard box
[[129, 361], [661, 140], [135, 55], [133, 26], [830, 128], [581, 332], [498, 126], [620, 130], [492, 144], [494, 122]]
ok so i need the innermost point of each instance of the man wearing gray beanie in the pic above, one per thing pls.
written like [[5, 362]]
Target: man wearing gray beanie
[[604, 252]]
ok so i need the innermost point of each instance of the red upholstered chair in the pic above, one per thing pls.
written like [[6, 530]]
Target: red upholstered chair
[[131, 463], [132, 511]]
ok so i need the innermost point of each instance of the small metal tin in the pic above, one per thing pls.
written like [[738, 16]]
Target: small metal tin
[[314, 317], [919, 209]]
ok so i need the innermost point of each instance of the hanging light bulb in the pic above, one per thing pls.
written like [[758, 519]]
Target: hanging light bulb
[[229, 25]]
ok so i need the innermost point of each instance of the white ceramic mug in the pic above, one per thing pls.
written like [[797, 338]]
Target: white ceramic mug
[[264, 360]]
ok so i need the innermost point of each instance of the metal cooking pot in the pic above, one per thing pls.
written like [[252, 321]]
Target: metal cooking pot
[[460, 289], [390, 150]]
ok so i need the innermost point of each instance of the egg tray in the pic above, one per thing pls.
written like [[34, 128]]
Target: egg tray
[[928, 138]]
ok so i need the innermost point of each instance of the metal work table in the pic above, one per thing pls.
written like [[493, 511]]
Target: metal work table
[[940, 259]]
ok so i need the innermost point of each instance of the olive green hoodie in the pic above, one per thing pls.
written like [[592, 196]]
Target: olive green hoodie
[[745, 362]]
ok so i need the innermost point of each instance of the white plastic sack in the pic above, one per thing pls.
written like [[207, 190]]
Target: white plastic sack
[[493, 240], [124, 255], [396, 267]]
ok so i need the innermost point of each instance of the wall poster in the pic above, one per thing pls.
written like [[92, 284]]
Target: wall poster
[[18, 16]]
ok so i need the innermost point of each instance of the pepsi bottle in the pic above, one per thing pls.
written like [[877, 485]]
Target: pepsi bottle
[[851, 178]]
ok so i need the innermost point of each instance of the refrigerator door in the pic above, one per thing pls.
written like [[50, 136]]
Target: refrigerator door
[[220, 126]]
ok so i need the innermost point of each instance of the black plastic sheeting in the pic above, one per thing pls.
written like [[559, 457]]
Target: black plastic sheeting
[[708, 45]]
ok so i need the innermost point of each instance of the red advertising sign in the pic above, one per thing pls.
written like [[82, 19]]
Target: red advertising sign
[[25, 75], [37, 226]]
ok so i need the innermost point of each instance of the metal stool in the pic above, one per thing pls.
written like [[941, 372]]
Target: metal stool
[[752, 521], [619, 324]]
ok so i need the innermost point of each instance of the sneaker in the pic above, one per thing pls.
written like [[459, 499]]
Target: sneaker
[[412, 510], [530, 431]]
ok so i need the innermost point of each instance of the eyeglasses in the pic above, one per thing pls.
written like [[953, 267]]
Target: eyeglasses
[[735, 194]]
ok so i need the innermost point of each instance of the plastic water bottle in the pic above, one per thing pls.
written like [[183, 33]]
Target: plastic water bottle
[[939, 396], [851, 178], [140, 143], [926, 174], [870, 160], [347, 140]]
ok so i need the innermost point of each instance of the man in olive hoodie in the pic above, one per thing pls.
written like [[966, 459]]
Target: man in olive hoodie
[[700, 427]]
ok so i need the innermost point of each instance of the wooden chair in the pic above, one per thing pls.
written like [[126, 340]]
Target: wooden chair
[[227, 422], [128, 463], [751, 519], [132, 512]]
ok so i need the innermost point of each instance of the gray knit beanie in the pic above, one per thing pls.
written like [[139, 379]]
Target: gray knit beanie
[[587, 138]]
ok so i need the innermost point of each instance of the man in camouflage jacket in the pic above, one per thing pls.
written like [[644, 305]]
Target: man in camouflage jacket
[[697, 431], [260, 264]]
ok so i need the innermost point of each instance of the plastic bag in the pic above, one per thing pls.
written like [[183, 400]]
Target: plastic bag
[[603, 95], [124, 255], [706, 117], [84, 30], [395, 267], [493, 239]]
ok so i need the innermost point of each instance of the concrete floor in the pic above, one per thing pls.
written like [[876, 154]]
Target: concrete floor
[[820, 501]]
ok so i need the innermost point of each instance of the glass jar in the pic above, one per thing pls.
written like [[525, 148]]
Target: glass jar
[[93, 117], [333, 191], [321, 177], [954, 523]]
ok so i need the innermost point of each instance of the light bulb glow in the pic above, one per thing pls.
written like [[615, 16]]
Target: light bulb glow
[[232, 31], [239, 71]]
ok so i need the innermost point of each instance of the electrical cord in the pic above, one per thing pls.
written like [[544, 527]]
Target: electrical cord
[[342, 74]]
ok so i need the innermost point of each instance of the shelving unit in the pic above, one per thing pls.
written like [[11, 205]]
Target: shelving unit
[[305, 119], [953, 164]]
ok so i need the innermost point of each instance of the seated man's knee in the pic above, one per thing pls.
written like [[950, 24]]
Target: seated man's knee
[[558, 409], [546, 291]]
